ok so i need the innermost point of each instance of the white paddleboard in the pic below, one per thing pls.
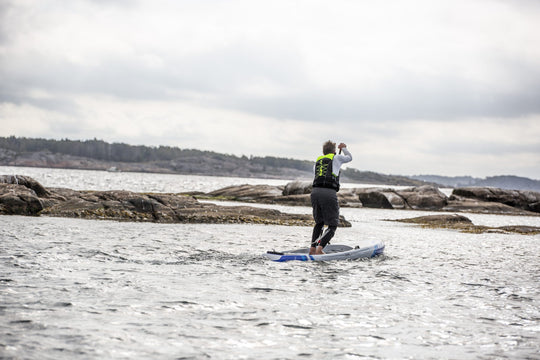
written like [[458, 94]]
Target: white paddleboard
[[332, 252]]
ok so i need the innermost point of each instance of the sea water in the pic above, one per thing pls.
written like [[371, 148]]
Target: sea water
[[86, 289]]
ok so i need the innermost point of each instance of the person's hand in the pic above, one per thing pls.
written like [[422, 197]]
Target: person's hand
[[341, 146]]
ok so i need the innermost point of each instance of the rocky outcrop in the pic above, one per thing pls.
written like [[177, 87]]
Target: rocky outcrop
[[525, 200], [19, 200], [376, 198], [297, 188], [161, 208], [424, 198], [24, 196], [25, 181], [478, 200], [417, 198], [247, 193], [464, 224]]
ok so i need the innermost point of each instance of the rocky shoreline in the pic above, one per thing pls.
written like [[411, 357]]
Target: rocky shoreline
[[22, 195], [429, 198]]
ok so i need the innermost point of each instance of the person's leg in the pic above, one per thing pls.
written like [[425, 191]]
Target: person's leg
[[330, 209], [319, 220], [317, 232]]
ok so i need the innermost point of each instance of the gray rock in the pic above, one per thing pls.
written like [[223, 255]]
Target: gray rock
[[24, 181], [21, 199], [464, 224], [375, 198], [259, 193], [424, 198], [297, 188], [525, 200]]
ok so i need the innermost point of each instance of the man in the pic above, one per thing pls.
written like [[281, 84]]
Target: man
[[324, 195]]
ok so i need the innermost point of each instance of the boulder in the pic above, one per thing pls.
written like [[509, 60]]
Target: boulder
[[297, 188], [424, 197], [262, 193], [395, 200], [26, 181], [348, 198], [19, 200], [374, 198], [418, 198]]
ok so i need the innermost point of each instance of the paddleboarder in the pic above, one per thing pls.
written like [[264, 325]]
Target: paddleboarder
[[324, 194]]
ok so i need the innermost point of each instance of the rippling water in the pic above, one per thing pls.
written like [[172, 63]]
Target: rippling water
[[100, 289]]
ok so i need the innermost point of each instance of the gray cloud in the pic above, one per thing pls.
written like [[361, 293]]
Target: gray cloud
[[403, 100], [223, 76], [220, 78], [284, 71]]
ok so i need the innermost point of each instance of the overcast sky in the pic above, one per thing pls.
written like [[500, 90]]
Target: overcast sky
[[413, 87]]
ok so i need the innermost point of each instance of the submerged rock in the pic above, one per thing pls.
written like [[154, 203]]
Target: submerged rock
[[464, 224], [442, 220]]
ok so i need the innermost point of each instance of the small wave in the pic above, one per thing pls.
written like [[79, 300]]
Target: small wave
[[178, 302], [63, 304], [391, 275], [294, 326], [265, 289]]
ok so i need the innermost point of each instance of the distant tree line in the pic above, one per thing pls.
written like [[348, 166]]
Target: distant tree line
[[120, 152]]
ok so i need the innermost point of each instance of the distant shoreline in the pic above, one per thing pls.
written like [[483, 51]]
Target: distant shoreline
[[102, 156]]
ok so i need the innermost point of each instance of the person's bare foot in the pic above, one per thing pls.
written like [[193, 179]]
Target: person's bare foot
[[319, 251], [312, 251]]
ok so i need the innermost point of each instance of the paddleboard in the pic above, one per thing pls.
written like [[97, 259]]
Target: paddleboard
[[332, 252]]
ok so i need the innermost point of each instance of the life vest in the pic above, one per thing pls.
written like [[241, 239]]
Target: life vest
[[323, 173]]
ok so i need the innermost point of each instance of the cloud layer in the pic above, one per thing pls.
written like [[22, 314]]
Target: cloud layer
[[446, 87]]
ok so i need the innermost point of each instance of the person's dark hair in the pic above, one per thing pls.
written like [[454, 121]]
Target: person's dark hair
[[329, 147]]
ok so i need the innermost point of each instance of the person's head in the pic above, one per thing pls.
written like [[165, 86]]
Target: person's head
[[329, 147]]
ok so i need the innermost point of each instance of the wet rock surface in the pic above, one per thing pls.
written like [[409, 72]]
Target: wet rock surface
[[525, 200], [19, 197], [474, 200], [22, 195]]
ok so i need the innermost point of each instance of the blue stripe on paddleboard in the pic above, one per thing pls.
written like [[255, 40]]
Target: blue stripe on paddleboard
[[378, 250], [295, 257]]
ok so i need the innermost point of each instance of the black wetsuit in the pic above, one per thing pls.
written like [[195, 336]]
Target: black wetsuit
[[324, 197]]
